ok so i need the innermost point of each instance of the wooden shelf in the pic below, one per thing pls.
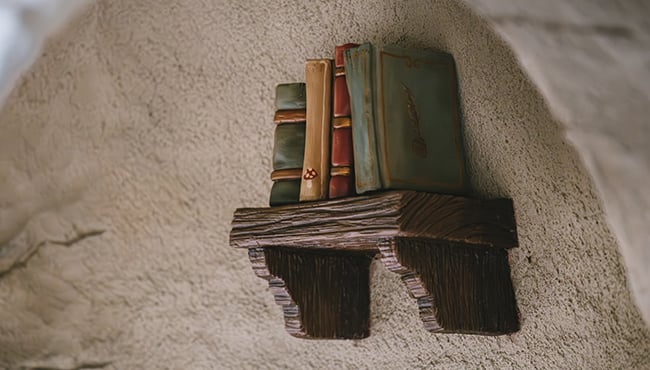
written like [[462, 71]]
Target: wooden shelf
[[450, 251]]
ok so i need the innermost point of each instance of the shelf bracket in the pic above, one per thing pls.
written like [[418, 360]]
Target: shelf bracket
[[323, 294]]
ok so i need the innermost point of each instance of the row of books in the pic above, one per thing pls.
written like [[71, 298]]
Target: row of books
[[374, 118]]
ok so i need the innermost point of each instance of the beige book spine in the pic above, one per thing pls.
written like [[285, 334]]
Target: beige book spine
[[315, 174]]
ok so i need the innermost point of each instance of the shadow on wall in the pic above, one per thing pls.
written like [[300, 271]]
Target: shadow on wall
[[174, 101]]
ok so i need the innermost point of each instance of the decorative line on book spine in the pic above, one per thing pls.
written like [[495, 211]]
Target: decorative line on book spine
[[290, 116], [341, 171], [359, 76], [289, 174], [341, 122]]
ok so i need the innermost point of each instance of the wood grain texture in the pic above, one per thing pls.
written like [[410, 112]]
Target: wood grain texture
[[323, 294], [279, 290], [357, 223], [458, 288]]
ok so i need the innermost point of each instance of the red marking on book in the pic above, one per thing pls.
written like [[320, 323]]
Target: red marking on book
[[310, 174]]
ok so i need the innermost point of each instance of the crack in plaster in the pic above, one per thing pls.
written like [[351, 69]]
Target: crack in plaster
[[13, 255]]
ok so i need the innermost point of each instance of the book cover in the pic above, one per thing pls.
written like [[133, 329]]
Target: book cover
[[286, 187], [289, 145], [316, 163], [405, 125], [290, 96], [341, 176]]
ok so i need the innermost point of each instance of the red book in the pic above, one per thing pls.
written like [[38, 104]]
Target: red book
[[341, 176], [341, 97], [342, 151], [341, 182]]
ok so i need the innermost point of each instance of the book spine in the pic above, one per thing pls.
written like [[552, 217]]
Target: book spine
[[315, 175], [290, 96], [286, 187], [341, 176], [360, 79], [380, 107], [289, 146], [289, 143]]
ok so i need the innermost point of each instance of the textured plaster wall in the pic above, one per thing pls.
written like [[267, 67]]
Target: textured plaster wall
[[127, 147], [591, 61]]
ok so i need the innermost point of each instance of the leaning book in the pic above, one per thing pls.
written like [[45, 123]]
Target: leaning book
[[406, 132]]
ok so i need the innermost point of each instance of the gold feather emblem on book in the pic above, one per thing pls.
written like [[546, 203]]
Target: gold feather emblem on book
[[418, 144]]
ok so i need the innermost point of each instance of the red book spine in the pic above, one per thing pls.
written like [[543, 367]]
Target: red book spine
[[342, 143], [341, 176], [341, 184], [341, 96]]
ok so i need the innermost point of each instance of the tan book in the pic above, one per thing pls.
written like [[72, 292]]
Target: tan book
[[316, 164]]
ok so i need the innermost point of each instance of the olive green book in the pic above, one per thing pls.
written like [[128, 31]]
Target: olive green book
[[405, 120], [288, 144]]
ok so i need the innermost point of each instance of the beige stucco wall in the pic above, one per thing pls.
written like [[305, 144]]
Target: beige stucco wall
[[127, 147], [590, 61]]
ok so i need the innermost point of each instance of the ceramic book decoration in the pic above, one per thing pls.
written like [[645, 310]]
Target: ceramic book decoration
[[405, 125], [289, 143], [376, 119], [315, 174], [290, 96], [341, 177]]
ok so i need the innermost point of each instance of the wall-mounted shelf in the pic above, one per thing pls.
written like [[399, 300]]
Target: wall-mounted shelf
[[450, 251]]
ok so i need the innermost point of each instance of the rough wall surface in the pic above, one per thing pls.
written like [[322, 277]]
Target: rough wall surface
[[129, 144], [591, 61]]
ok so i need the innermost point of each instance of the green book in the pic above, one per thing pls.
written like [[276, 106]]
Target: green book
[[405, 122], [285, 192], [288, 144], [290, 96]]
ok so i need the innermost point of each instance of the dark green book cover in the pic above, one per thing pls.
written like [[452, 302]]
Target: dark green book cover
[[285, 192], [405, 124], [290, 96], [289, 145]]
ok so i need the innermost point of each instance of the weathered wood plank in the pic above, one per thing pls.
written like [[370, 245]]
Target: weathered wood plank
[[357, 223]]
